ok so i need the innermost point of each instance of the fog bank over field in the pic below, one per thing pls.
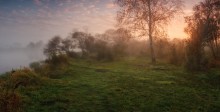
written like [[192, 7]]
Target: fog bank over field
[[17, 55]]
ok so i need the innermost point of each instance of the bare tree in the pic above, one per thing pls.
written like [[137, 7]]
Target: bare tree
[[147, 17]]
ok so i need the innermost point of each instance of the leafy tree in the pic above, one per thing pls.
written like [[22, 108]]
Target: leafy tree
[[103, 50], [147, 17], [68, 46], [208, 12], [53, 48], [203, 29], [194, 46], [84, 41]]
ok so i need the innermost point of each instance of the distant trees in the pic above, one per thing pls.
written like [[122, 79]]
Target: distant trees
[[103, 51], [203, 29], [117, 39], [147, 17], [112, 44], [34, 46], [34, 50], [104, 46]]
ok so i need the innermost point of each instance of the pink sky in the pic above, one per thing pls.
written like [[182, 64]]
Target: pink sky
[[32, 20]]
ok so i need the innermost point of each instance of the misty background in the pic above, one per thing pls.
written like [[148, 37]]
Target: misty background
[[20, 55], [25, 21]]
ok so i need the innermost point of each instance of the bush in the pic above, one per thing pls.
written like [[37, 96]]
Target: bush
[[24, 77], [51, 68], [36, 66], [10, 101], [103, 51], [41, 68], [58, 60]]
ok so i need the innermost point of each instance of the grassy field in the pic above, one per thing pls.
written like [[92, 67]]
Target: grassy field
[[131, 85]]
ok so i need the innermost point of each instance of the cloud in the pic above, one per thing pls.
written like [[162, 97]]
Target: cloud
[[38, 2], [58, 17]]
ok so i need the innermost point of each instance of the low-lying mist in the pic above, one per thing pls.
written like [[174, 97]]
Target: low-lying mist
[[16, 56]]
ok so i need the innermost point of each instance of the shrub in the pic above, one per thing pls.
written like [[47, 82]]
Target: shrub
[[24, 77], [58, 60], [103, 51], [41, 68], [10, 101], [36, 66]]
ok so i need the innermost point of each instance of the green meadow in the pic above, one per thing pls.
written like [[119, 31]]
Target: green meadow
[[128, 85]]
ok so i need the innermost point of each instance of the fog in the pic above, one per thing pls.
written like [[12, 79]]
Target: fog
[[16, 56]]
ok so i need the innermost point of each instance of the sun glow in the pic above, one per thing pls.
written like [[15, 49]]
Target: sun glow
[[176, 29], [177, 25]]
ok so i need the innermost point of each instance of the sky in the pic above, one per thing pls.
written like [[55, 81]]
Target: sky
[[23, 21]]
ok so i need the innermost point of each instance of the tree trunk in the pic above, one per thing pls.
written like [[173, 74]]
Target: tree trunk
[[153, 59]]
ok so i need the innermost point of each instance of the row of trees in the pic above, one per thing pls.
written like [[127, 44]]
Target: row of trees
[[112, 44], [149, 18], [81, 44]]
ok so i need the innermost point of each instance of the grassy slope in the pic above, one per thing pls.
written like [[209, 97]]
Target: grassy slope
[[131, 85]]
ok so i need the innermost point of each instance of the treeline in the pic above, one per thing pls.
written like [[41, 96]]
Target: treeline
[[82, 44], [110, 46]]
